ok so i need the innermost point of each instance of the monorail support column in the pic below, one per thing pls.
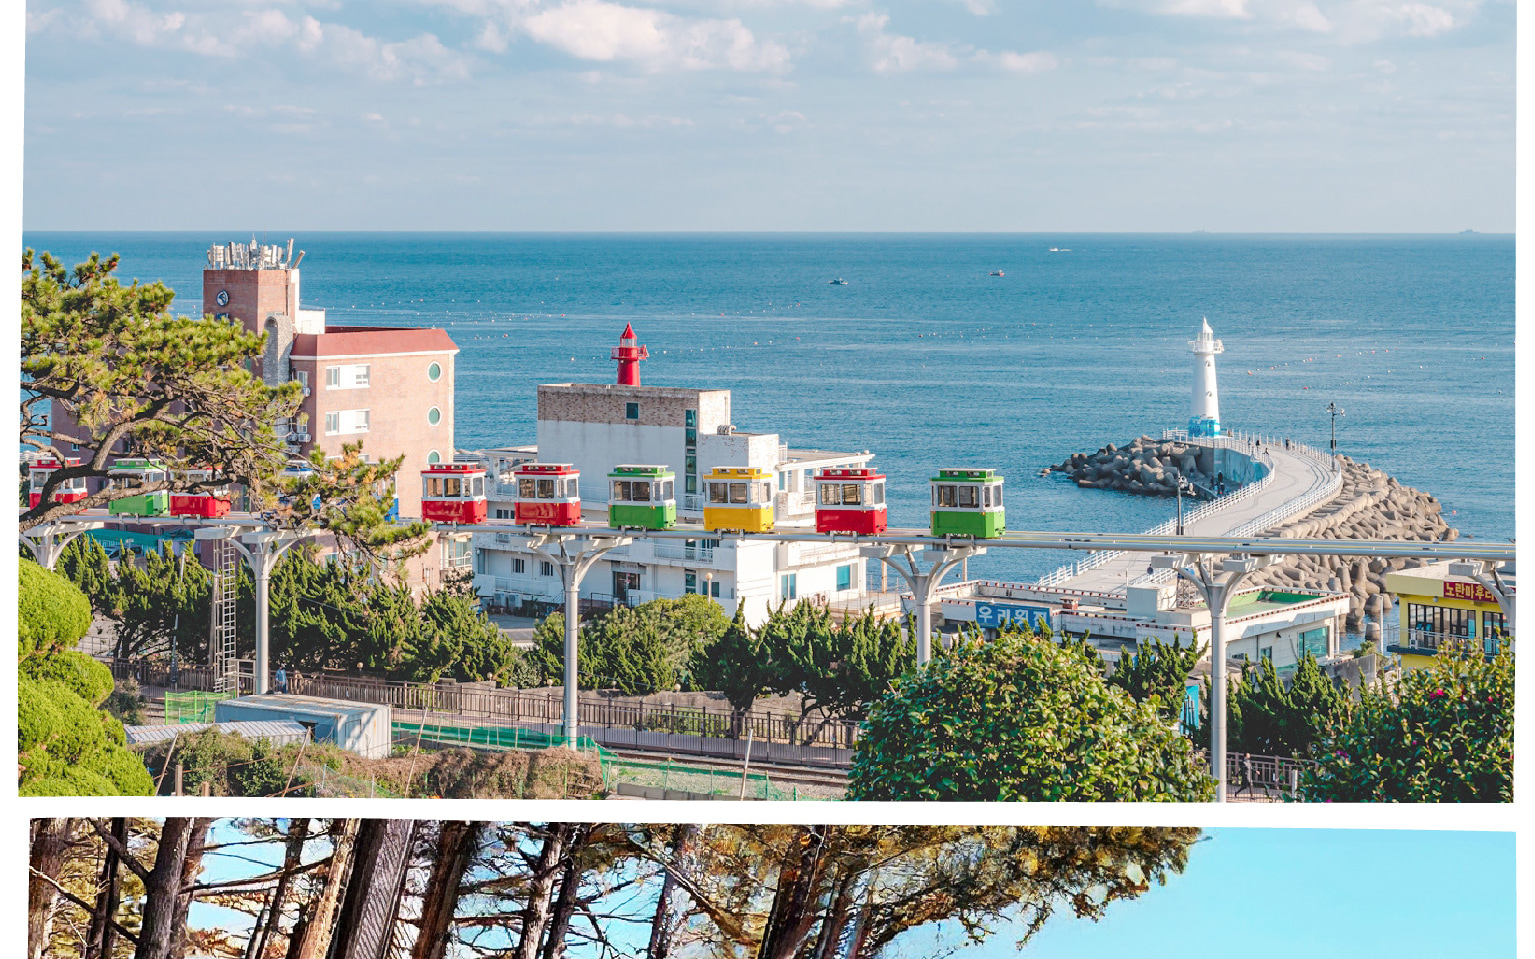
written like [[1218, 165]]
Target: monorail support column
[[47, 541], [923, 582], [573, 554], [262, 551], [1490, 577], [1216, 582]]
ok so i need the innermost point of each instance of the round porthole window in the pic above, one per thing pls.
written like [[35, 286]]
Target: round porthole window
[[433, 457], [434, 372], [434, 416]]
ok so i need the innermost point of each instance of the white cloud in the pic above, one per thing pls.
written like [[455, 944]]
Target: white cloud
[[1037, 62], [894, 53], [1309, 62], [602, 31]]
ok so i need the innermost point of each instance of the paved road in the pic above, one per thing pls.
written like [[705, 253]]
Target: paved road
[[1295, 475]]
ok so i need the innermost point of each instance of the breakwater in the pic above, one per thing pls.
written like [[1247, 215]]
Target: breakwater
[[1149, 467], [1370, 505]]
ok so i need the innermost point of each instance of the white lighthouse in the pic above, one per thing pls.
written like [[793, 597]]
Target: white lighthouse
[[1205, 417]]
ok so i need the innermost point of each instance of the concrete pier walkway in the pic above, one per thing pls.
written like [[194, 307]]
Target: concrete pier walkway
[[1299, 480]]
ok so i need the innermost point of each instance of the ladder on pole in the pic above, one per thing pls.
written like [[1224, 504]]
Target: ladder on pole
[[221, 635]]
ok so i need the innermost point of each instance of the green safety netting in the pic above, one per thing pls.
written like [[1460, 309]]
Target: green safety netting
[[193, 706]]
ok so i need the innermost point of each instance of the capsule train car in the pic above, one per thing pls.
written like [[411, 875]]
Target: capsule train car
[[69, 491], [643, 497], [548, 494], [968, 502], [850, 501], [125, 476], [209, 504], [453, 493], [738, 498]]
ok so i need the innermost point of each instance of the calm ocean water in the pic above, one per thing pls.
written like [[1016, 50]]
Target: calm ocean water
[[928, 361]]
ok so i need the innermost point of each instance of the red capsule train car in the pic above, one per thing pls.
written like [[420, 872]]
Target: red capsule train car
[[453, 493], [548, 494], [210, 504], [850, 501], [37, 474]]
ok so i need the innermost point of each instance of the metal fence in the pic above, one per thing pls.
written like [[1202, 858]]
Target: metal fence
[[514, 706], [1264, 778]]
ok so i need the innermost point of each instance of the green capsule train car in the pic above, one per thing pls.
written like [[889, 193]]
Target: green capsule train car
[[642, 496], [127, 475], [968, 503]]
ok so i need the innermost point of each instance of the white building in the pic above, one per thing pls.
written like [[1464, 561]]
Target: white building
[[599, 426]]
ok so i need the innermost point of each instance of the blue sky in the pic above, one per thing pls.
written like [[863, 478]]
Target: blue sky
[[1225, 115], [1313, 893]]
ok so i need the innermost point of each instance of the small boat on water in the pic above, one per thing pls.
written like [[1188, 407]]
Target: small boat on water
[[997, 273], [1058, 249], [839, 281]]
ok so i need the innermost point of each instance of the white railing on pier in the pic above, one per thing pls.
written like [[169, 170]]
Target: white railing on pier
[[1260, 447]]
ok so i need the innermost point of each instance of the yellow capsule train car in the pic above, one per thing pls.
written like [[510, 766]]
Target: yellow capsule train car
[[738, 498]]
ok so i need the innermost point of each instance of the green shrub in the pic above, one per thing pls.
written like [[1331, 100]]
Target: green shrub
[[51, 612], [1020, 718], [89, 679], [67, 747]]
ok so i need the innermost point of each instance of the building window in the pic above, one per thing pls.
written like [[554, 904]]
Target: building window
[[519, 566], [845, 577], [690, 418], [479, 561], [504, 514], [349, 377], [714, 589], [631, 411], [1314, 641], [434, 416], [434, 372], [434, 457], [455, 553], [332, 423], [546, 569], [346, 421], [1266, 653], [689, 582], [788, 586]]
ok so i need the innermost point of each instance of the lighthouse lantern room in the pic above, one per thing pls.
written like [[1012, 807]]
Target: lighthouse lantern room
[[628, 353]]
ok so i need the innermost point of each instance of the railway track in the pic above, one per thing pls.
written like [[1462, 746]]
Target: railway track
[[779, 773]]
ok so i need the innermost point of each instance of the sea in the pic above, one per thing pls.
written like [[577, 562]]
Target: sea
[[927, 359]]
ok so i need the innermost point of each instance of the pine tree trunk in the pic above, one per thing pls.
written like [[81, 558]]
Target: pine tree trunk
[[298, 832], [103, 934], [793, 915], [667, 919], [535, 916], [834, 923], [368, 910], [565, 903], [50, 843], [163, 890], [190, 867], [456, 845], [311, 938]]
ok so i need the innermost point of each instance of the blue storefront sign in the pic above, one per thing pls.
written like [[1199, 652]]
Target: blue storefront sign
[[997, 615]]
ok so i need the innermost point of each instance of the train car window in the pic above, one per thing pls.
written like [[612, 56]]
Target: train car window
[[546, 489], [525, 487], [717, 492], [986, 496], [996, 496], [479, 486], [666, 490], [967, 496], [620, 491], [767, 492], [877, 494], [946, 495], [641, 492], [433, 486], [850, 494], [828, 495], [451, 486], [737, 492]]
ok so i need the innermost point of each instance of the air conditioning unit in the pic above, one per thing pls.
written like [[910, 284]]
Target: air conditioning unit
[[299, 436]]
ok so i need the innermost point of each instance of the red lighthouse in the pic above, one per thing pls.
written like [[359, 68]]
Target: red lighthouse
[[628, 355]]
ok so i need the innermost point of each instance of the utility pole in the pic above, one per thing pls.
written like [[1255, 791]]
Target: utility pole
[[1336, 412]]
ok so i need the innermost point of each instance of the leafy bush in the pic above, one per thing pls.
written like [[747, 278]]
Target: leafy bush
[[90, 680], [1020, 718], [51, 613], [1444, 733]]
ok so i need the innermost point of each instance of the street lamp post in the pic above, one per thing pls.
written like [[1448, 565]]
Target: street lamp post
[[1182, 486], [1336, 412]]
